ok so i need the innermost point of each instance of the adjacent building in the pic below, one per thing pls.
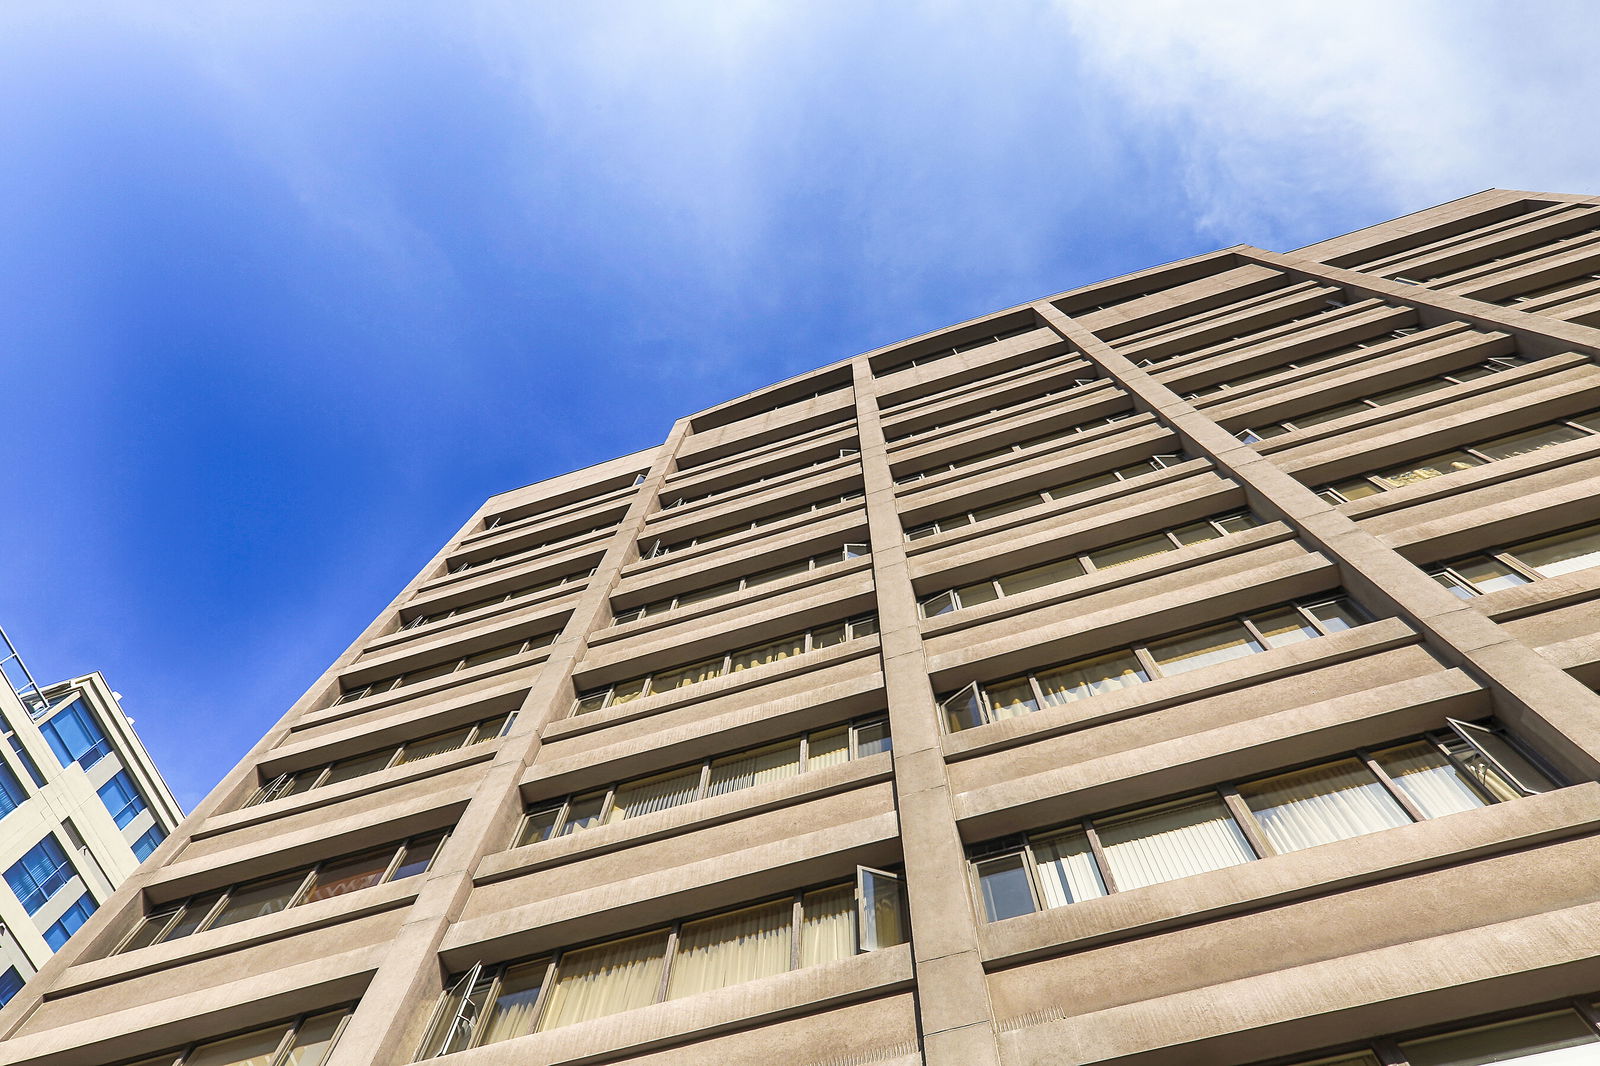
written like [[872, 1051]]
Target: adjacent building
[[81, 805], [1191, 669]]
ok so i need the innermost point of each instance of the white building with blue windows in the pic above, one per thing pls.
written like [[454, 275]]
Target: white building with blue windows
[[81, 805]]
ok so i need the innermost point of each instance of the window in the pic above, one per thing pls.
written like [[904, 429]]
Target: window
[[746, 486], [463, 565], [491, 1003], [75, 736], [967, 346], [728, 588], [305, 1041], [269, 895], [1298, 364], [660, 548], [1561, 1037], [42, 872], [978, 704], [1033, 499], [122, 798], [743, 659], [1520, 564], [1514, 444], [1465, 766], [294, 782], [1022, 445], [148, 842], [444, 669], [12, 794], [710, 777], [10, 984], [1382, 399], [1211, 339], [70, 922], [1128, 551], [467, 608]]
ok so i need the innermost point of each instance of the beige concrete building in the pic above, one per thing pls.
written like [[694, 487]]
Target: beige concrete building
[[1192, 669], [81, 805]]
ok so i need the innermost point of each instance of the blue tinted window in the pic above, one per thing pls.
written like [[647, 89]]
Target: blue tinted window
[[121, 797], [75, 736], [69, 922], [11, 792], [26, 760], [149, 842], [10, 985], [39, 874]]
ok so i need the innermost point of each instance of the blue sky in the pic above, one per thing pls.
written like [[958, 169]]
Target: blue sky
[[287, 288]]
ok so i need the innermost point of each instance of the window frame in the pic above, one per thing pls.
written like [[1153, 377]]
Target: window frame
[[821, 561]]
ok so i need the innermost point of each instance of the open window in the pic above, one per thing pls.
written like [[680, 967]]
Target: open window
[[964, 709], [1499, 754], [880, 909], [457, 1019]]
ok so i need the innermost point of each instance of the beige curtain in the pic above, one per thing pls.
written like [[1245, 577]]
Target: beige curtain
[[829, 748], [1207, 648], [606, 979], [655, 794], [1322, 804], [1091, 677], [826, 932], [1431, 781], [512, 1012], [1067, 873], [1172, 841], [1130, 552], [769, 653], [731, 949], [773, 763]]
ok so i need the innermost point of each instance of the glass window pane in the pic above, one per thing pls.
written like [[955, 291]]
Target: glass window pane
[[1040, 576], [1003, 887], [421, 749], [250, 1049], [827, 929], [314, 1039], [1487, 774], [417, 856], [1321, 804], [943, 603], [1328, 414], [882, 916], [730, 949], [1238, 523], [606, 979], [257, 899], [1075, 487], [1011, 699], [1174, 840], [770, 653], [1561, 554], [772, 763], [194, 912], [872, 738], [1458, 589], [687, 675], [538, 826], [586, 811], [1488, 575], [1207, 648], [1196, 533], [1336, 616], [483, 658], [1528, 441], [358, 766], [1067, 870], [1558, 1039], [964, 709], [1425, 469], [655, 794], [1130, 551], [1092, 677], [996, 510], [827, 636], [828, 748], [974, 594], [343, 876], [148, 930], [511, 1015], [1431, 781], [1283, 627], [1355, 488]]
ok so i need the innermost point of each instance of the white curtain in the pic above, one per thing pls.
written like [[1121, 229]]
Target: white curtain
[[1204, 649], [828, 749], [1147, 847], [1067, 873], [825, 928], [1322, 804], [731, 949], [512, 1013], [655, 794], [755, 768], [1091, 678], [1431, 781], [606, 979]]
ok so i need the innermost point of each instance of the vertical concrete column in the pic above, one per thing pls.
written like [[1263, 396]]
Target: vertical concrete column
[[1531, 693], [388, 1022], [953, 1007]]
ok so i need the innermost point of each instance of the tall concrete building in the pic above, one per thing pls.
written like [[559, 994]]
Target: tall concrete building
[[1191, 669], [81, 805]]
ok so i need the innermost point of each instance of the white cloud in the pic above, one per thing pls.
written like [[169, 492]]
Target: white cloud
[[1275, 104]]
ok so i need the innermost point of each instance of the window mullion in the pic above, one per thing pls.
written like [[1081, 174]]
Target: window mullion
[[666, 967], [280, 1054], [1506, 559], [394, 862], [797, 919], [1247, 822], [216, 908], [1098, 853], [1031, 872], [704, 787], [305, 886], [1376, 769], [1489, 798], [1146, 660], [1037, 689]]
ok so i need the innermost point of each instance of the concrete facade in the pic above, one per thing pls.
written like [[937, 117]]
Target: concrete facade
[[77, 787], [679, 608]]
